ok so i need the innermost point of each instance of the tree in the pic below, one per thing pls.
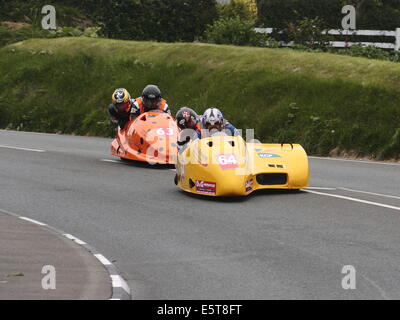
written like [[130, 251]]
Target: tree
[[160, 20], [371, 14]]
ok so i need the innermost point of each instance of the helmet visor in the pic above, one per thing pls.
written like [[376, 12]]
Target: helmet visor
[[151, 104], [215, 126], [183, 124]]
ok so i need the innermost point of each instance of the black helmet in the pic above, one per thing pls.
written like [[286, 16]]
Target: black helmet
[[187, 118], [151, 97]]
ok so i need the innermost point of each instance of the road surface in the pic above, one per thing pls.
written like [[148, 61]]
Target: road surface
[[171, 245]]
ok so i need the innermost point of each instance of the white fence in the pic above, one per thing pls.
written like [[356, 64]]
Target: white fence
[[343, 44]]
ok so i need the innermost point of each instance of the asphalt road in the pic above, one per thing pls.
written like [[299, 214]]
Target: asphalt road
[[171, 245], [25, 248]]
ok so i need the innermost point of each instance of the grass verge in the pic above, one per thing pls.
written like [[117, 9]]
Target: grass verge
[[328, 103]]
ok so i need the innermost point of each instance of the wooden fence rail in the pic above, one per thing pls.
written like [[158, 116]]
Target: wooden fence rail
[[343, 44]]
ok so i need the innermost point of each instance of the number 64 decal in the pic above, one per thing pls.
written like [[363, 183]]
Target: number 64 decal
[[227, 161], [165, 132]]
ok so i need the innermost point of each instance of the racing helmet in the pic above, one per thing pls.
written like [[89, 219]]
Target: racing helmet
[[187, 118], [151, 97], [122, 99], [212, 119]]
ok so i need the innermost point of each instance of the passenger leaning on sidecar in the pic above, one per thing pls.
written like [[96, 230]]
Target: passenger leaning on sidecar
[[189, 124], [120, 108], [193, 127]]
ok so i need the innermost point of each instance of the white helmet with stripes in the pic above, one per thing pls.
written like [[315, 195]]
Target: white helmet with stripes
[[212, 119]]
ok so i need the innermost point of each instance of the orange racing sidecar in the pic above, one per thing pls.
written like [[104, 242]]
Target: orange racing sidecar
[[151, 137]]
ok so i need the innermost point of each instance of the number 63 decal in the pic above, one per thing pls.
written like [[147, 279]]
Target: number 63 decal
[[165, 132]]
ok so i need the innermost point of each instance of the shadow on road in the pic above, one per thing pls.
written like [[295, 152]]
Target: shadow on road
[[139, 164], [257, 193]]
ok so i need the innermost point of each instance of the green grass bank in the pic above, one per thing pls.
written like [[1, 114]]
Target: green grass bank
[[328, 103]]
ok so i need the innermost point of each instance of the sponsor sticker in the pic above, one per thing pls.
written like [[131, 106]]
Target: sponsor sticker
[[206, 187], [249, 185], [265, 155], [227, 161], [270, 150]]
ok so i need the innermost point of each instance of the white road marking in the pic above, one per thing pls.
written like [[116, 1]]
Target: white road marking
[[71, 237], [355, 199], [371, 193], [23, 149], [27, 132], [120, 162], [320, 188], [109, 160], [103, 259], [33, 221], [10, 213], [357, 161], [118, 282]]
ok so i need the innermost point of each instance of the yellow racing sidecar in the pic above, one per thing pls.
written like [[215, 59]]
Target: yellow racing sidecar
[[228, 166]]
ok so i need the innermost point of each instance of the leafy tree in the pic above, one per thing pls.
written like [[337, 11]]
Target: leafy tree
[[243, 9], [69, 13], [233, 31], [371, 14], [308, 33], [160, 20]]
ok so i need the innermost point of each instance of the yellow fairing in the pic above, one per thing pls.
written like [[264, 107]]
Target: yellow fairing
[[228, 166]]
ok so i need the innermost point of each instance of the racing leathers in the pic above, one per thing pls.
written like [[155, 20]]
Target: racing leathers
[[138, 107], [118, 116], [227, 128], [199, 132]]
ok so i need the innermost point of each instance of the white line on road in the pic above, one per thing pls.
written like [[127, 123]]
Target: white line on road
[[320, 188], [9, 213], [371, 193], [33, 221], [71, 237], [118, 282], [23, 149], [358, 161], [118, 161], [355, 199], [109, 160], [103, 259], [27, 132]]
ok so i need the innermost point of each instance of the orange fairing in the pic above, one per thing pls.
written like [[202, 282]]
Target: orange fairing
[[151, 137]]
